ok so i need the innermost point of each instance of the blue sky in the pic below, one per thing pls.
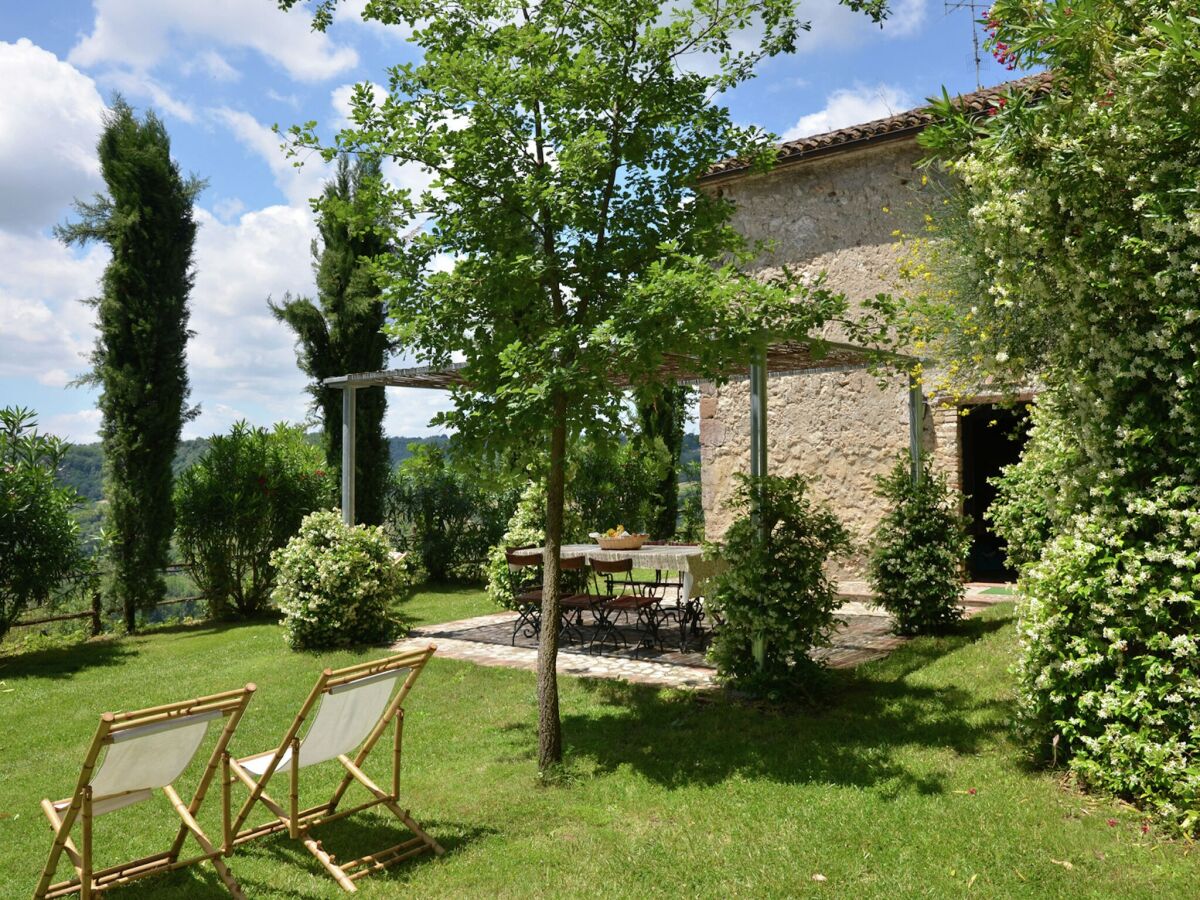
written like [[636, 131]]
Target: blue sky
[[221, 72]]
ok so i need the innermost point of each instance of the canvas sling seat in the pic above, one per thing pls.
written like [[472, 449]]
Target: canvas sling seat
[[353, 707], [132, 755]]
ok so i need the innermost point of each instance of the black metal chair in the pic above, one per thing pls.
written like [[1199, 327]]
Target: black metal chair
[[526, 591], [573, 604], [616, 596]]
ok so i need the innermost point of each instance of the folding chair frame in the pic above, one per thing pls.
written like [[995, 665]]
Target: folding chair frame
[[299, 822], [88, 880]]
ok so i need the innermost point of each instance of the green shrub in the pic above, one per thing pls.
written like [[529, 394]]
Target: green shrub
[[446, 518], [776, 585], [918, 550], [39, 542], [611, 482], [241, 501], [337, 584]]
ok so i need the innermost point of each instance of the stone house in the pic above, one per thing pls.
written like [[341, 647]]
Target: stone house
[[833, 204]]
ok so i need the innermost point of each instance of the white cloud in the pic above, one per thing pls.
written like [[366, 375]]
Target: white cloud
[[45, 334], [351, 11], [241, 358], [340, 97], [905, 17], [80, 427], [836, 25], [290, 99], [50, 119], [141, 34], [851, 106], [410, 409], [214, 65], [140, 86], [228, 208], [298, 183]]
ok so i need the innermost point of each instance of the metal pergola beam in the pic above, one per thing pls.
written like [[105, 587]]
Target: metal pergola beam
[[791, 357]]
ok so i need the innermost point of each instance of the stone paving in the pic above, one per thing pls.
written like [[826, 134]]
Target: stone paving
[[488, 641]]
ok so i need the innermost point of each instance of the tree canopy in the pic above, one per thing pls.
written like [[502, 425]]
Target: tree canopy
[[568, 248], [140, 360], [343, 329]]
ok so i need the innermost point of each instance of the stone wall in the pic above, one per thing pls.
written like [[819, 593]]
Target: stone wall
[[837, 216]]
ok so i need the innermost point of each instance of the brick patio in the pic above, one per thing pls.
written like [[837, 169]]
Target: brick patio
[[485, 640]]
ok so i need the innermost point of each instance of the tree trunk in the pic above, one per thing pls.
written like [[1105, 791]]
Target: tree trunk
[[549, 725]]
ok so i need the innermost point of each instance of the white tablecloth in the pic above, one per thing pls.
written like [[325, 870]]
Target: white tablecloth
[[660, 557]]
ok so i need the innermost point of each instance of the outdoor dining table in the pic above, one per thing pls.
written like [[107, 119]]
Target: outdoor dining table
[[661, 558]]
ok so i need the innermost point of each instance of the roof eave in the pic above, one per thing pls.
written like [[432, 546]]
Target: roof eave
[[786, 162]]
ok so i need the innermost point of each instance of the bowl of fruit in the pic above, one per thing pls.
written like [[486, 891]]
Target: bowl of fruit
[[619, 539]]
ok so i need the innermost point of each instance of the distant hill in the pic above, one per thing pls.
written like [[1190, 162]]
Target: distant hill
[[83, 466], [398, 446]]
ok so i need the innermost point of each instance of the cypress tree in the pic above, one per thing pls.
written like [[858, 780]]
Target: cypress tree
[[661, 412], [139, 362], [342, 331]]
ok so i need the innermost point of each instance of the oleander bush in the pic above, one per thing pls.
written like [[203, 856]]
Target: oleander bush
[[39, 537], [918, 550], [241, 501], [338, 585], [776, 589]]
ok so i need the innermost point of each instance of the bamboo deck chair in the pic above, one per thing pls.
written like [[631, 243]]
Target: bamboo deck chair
[[144, 751], [356, 706]]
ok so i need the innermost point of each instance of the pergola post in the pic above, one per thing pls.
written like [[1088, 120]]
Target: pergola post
[[758, 413], [916, 419], [348, 455], [758, 461]]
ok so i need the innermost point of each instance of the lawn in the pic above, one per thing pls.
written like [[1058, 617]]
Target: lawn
[[905, 785]]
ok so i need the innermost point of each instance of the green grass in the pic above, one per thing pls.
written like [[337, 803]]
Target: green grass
[[664, 793], [447, 603]]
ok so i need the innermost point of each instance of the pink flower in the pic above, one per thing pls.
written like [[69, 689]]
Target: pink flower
[[1112, 823], [971, 791]]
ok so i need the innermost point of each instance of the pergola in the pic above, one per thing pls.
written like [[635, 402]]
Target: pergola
[[778, 358]]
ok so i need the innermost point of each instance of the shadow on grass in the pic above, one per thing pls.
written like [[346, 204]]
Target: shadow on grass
[[860, 736], [67, 660], [357, 836], [209, 626]]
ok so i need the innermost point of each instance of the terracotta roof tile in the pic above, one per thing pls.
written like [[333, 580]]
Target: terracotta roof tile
[[896, 126]]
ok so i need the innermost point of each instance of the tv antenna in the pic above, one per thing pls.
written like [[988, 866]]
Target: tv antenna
[[974, 6]]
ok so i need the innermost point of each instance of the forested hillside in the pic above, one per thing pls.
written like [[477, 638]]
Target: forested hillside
[[82, 468]]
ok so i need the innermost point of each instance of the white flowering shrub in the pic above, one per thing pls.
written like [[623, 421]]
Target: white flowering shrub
[[1034, 494], [1078, 225], [1110, 663], [337, 584]]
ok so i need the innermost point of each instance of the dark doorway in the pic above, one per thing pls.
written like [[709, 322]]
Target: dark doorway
[[991, 437]]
